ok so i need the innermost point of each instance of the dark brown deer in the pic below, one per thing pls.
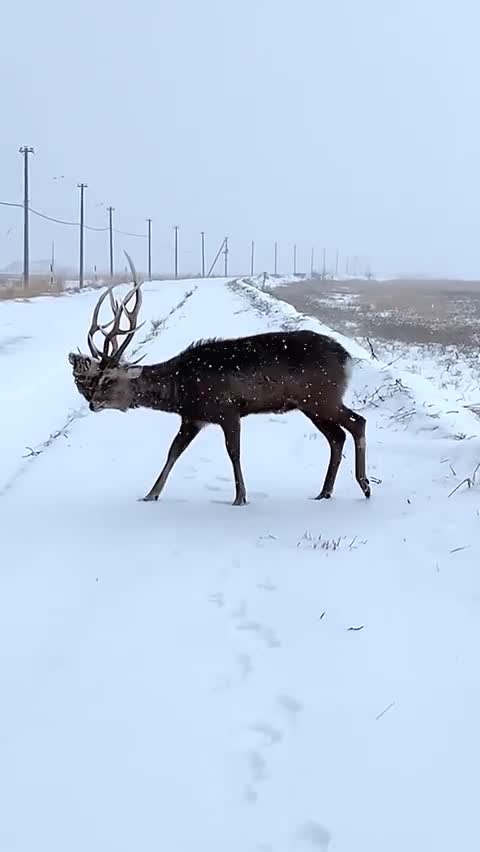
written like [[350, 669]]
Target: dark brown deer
[[221, 381]]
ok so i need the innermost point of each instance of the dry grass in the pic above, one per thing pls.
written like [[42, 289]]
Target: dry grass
[[41, 285], [37, 286]]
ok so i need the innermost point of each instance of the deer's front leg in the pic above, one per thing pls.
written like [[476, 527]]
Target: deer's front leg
[[231, 430], [185, 435]]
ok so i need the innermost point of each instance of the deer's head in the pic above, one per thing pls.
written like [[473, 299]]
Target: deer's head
[[104, 378]]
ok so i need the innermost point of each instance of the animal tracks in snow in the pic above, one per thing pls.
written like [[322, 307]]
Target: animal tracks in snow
[[309, 837], [262, 631], [258, 766], [267, 585], [290, 707], [270, 715], [218, 599], [266, 634], [270, 735], [245, 665], [240, 611], [312, 836]]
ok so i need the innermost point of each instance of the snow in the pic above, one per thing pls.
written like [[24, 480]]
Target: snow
[[182, 675], [264, 280], [444, 366]]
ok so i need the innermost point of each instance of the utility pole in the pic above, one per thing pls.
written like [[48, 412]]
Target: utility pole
[[275, 258], [82, 187], [312, 263], [110, 228], [52, 267], [203, 253], [225, 254], [324, 266], [295, 259], [223, 248], [26, 150], [252, 259], [149, 249], [175, 228]]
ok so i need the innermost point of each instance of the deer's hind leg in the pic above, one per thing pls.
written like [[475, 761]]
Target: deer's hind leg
[[189, 429], [356, 424], [231, 430], [336, 439]]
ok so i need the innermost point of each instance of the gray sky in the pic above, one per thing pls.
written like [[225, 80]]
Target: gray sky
[[350, 124]]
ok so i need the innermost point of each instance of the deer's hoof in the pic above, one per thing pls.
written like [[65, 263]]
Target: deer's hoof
[[324, 495], [240, 501], [365, 486], [149, 498]]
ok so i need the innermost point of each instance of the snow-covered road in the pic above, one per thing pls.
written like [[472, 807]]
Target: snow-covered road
[[184, 675]]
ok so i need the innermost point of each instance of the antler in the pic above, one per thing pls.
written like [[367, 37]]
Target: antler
[[112, 351]]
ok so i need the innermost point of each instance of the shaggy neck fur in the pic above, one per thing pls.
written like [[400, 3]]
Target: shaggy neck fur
[[154, 388]]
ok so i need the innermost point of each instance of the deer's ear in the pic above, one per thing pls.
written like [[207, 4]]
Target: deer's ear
[[80, 363], [134, 372]]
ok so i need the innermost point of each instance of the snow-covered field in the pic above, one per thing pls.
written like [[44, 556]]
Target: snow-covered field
[[192, 677], [444, 366]]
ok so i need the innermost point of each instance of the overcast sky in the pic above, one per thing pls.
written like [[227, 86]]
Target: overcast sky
[[352, 124]]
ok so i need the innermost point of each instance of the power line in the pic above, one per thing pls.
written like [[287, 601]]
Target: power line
[[63, 222], [126, 233], [53, 219], [72, 224]]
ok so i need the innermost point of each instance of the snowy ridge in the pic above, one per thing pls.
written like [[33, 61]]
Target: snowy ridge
[[289, 676]]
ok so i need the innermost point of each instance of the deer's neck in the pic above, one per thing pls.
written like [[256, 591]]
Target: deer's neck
[[155, 388]]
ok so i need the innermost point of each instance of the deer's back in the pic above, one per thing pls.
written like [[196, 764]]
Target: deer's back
[[275, 371]]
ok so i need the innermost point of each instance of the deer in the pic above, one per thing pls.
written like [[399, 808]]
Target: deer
[[220, 381]]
